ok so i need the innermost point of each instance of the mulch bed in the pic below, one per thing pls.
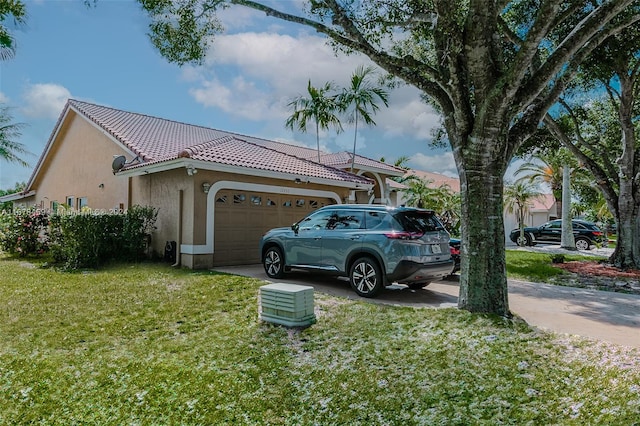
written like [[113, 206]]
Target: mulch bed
[[601, 276], [598, 269]]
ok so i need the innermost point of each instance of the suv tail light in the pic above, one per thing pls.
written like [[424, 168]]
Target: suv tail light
[[403, 235], [454, 250], [597, 233]]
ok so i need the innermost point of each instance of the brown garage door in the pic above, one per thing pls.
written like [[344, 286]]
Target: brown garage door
[[242, 217]]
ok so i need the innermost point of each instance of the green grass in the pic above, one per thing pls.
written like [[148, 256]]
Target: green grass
[[151, 345], [537, 267]]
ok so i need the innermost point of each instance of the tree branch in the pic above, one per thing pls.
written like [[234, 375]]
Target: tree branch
[[587, 35], [603, 181]]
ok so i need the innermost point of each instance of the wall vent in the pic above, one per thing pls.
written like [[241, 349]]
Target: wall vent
[[286, 304]]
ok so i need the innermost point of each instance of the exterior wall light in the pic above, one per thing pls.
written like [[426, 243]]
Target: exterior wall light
[[205, 187]]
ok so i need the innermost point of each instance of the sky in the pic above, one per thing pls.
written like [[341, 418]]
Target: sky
[[102, 54]]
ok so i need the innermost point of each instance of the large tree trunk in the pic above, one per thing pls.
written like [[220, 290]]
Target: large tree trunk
[[627, 252], [483, 282]]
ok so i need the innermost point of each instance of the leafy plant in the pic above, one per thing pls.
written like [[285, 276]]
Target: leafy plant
[[87, 240], [24, 232]]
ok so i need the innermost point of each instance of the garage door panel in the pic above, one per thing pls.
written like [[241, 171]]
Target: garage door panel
[[242, 217]]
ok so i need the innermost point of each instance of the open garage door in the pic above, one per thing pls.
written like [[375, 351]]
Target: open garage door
[[241, 217]]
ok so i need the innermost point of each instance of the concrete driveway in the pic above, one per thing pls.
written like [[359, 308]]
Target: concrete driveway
[[601, 315]]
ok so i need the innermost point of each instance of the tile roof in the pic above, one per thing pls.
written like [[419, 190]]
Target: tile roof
[[437, 179], [343, 160], [155, 140]]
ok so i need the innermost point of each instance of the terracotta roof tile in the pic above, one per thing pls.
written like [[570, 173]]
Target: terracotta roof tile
[[343, 160], [155, 140], [437, 179]]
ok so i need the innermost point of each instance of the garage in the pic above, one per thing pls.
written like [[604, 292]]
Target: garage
[[241, 217]]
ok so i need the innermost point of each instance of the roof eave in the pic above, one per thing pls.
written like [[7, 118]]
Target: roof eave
[[364, 168], [188, 163], [16, 196]]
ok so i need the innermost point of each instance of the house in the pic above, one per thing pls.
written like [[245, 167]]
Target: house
[[216, 192], [542, 209]]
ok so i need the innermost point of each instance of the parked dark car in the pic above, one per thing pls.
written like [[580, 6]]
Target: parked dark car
[[585, 234], [373, 245], [454, 247]]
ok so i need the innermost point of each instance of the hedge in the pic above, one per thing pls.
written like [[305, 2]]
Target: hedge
[[84, 239]]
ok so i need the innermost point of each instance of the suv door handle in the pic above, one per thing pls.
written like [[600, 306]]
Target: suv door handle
[[355, 237]]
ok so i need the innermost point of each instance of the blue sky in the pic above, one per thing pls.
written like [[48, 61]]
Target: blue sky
[[102, 54]]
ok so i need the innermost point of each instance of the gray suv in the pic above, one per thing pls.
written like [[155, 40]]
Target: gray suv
[[373, 245]]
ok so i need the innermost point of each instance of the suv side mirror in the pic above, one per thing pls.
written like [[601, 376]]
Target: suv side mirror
[[295, 228]]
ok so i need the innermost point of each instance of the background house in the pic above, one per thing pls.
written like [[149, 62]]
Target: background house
[[542, 209], [216, 192]]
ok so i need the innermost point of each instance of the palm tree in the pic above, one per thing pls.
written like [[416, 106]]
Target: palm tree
[[547, 168], [418, 192], [320, 107], [517, 199], [441, 199], [18, 11], [359, 101], [9, 148]]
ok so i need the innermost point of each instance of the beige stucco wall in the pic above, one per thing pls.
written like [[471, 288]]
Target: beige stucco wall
[[183, 210], [166, 191], [80, 167]]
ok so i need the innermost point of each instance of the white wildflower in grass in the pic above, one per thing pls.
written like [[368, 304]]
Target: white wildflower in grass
[[523, 365], [25, 392], [575, 409], [140, 396], [634, 388], [532, 392], [324, 402], [191, 404]]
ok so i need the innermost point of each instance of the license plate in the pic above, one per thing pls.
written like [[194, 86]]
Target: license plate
[[435, 249]]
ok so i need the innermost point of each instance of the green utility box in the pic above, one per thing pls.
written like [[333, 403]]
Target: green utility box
[[287, 304]]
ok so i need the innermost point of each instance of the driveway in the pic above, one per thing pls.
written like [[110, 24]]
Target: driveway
[[601, 315]]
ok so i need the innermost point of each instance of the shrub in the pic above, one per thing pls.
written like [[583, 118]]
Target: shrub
[[88, 239], [557, 258], [24, 232]]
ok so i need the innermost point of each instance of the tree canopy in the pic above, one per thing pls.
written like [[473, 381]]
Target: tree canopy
[[494, 68]]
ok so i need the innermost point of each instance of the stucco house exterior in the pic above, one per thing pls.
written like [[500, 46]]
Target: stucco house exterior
[[216, 192], [542, 209]]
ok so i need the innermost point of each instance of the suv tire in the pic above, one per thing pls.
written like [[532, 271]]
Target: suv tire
[[583, 244], [365, 277], [523, 242], [273, 262]]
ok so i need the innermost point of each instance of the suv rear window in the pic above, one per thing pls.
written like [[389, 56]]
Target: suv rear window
[[419, 221]]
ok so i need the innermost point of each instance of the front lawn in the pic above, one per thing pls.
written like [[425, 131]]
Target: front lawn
[[537, 267], [147, 344]]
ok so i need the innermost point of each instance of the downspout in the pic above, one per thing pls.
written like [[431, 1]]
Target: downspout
[[129, 190], [179, 236]]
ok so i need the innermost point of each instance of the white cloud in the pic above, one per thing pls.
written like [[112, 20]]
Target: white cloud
[[275, 68], [45, 100], [407, 115], [438, 163], [4, 99]]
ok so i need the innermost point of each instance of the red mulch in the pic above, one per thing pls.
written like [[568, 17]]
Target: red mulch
[[598, 269]]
